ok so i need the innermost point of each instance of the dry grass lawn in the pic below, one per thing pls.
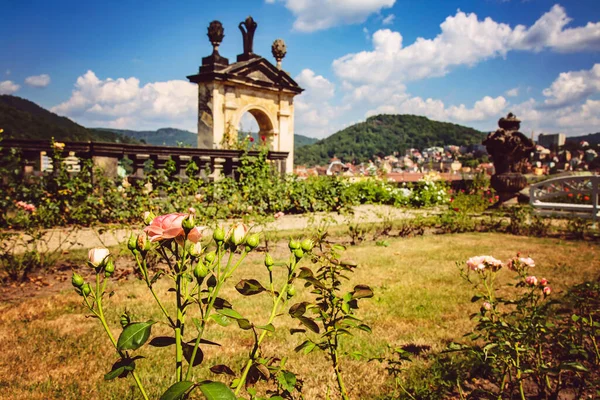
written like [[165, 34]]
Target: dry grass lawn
[[51, 350]]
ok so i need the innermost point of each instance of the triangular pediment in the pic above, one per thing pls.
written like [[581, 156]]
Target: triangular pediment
[[261, 71]]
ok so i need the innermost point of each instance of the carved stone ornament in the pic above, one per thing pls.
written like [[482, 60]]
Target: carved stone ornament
[[248, 34], [279, 50], [510, 150], [215, 34]]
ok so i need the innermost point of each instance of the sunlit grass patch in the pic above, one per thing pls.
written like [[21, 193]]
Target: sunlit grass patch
[[50, 350]]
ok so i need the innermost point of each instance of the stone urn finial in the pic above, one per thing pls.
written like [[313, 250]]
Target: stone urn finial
[[247, 27], [215, 34], [279, 50]]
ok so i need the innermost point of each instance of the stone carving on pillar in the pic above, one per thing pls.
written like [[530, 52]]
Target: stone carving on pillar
[[215, 34], [214, 62], [509, 149], [247, 27], [279, 50]]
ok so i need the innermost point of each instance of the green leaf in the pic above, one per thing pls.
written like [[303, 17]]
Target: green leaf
[[362, 291], [268, 327], [177, 390], [216, 391], [365, 328], [287, 380], [188, 349], [249, 287], [220, 319], [298, 309], [120, 369], [309, 323], [222, 369], [228, 312], [305, 273], [134, 335], [162, 341], [244, 324]]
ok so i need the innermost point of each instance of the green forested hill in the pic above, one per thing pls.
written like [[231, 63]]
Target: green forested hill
[[160, 137], [23, 119], [383, 135]]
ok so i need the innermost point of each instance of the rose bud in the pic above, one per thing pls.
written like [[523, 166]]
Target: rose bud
[[291, 291], [192, 210], [252, 241], [109, 269], [97, 257], [77, 280], [200, 271], [219, 235], [188, 223], [237, 234], [86, 289], [132, 242], [531, 280], [294, 244], [299, 253], [547, 290], [143, 244], [487, 305], [210, 257], [196, 249], [269, 262], [543, 281], [307, 245], [124, 320], [148, 217]]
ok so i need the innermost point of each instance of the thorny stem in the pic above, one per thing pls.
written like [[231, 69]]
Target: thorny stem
[[254, 352], [100, 314], [144, 269], [213, 296]]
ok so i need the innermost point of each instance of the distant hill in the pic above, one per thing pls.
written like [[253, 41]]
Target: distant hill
[[178, 137], [384, 134], [160, 137], [301, 141], [591, 138], [23, 119]]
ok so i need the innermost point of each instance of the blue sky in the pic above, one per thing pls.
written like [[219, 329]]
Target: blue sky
[[123, 63]]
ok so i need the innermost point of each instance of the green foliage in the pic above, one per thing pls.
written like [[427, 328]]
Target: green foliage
[[384, 134], [331, 314], [526, 346]]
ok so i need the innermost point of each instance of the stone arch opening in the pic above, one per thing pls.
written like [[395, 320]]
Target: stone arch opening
[[257, 123]]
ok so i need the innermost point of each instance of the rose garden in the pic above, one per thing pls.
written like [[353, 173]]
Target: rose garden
[[180, 281], [207, 298]]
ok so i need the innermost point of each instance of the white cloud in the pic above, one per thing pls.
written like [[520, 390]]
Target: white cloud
[[317, 87], [124, 103], [514, 92], [464, 40], [483, 109], [314, 15], [315, 116], [388, 20], [38, 81], [573, 86], [8, 87]]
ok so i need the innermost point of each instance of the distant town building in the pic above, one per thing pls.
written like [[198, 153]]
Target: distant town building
[[552, 141]]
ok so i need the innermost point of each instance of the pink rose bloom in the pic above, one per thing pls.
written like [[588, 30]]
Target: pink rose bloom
[[543, 281], [480, 263], [278, 215], [527, 261], [487, 305], [168, 226], [531, 280], [547, 290]]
